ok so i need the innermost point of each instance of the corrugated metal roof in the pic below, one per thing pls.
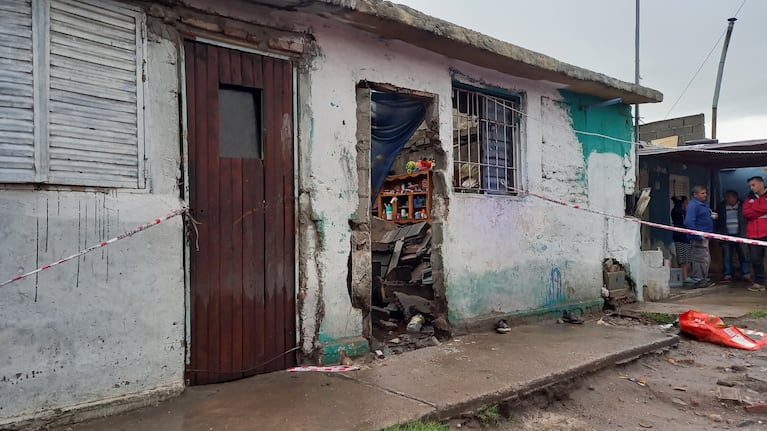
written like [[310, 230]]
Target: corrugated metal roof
[[740, 154]]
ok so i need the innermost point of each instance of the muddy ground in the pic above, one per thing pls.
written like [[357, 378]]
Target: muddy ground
[[684, 388]]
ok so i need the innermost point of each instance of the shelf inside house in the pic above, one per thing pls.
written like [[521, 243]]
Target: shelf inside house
[[413, 198]]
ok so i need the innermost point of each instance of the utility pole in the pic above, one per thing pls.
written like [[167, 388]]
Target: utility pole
[[730, 26], [636, 73]]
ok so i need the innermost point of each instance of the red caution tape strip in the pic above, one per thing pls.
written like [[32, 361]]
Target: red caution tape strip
[[651, 224], [328, 369], [99, 245]]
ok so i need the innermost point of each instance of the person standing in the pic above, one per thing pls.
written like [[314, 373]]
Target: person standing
[[681, 240], [732, 223], [700, 217], [755, 212]]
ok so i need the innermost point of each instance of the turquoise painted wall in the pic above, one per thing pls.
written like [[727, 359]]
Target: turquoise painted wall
[[613, 120]]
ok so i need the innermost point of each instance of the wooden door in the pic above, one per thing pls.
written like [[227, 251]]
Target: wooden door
[[240, 139]]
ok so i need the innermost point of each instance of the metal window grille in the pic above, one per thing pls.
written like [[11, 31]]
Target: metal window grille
[[485, 143]]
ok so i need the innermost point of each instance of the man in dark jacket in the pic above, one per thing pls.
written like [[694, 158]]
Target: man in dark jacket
[[699, 217], [731, 222], [755, 212]]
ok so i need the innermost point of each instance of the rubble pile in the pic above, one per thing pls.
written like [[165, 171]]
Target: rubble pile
[[404, 312], [618, 288]]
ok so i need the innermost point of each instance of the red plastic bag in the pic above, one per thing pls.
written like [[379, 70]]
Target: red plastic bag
[[705, 327]]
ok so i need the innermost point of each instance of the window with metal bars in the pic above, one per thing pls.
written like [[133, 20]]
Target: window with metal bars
[[485, 143]]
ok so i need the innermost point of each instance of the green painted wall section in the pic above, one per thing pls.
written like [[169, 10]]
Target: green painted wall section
[[614, 120], [535, 286], [354, 347]]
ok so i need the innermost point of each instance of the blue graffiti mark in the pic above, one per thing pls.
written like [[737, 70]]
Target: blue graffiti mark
[[554, 291]]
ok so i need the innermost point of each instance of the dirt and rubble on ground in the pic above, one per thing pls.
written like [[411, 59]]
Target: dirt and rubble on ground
[[404, 313], [695, 386]]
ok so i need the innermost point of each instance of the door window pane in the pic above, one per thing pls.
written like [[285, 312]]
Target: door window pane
[[239, 113]]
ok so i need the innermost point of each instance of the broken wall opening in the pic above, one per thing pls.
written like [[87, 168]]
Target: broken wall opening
[[404, 206], [619, 287]]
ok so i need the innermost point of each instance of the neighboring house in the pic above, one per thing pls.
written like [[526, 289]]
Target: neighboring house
[[111, 114], [674, 171]]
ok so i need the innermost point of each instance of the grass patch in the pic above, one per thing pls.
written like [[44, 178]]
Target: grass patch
[[660, 318], [756, 314], [489, 416], [419, 426]]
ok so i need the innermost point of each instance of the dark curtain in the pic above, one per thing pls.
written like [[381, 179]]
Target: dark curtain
[[394, 118]]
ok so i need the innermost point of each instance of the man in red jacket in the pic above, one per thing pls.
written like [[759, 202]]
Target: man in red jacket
[[755, 212]]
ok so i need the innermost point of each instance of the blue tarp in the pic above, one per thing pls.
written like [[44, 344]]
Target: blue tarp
[[394, 118]]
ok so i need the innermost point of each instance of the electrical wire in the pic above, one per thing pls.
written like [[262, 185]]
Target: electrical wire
[[705, 60]]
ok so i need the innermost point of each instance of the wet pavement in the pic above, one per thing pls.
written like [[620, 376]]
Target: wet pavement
[[724, 300], [434, 382]]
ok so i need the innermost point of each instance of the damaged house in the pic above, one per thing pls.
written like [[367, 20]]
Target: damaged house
[[347, 165]]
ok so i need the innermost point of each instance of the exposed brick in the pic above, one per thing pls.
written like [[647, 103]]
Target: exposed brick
[[237, 33], [694, 120], [648, 136], [699, 131], [286, 44], [205, 25]]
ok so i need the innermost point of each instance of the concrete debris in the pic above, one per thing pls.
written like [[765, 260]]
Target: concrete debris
[[386, 325], [412, 305], [729, 394], [716, 418], [727, 383], [402, 286], [618, 288], [344, 358]]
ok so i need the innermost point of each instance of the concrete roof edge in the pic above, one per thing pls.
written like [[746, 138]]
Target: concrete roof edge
[[410, 17]]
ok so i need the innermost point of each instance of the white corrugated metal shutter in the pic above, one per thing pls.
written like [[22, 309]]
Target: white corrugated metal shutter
[[96, 106], [17, 144]]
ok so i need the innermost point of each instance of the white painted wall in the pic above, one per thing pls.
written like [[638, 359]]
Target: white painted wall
[[499, 251], [110, 325]]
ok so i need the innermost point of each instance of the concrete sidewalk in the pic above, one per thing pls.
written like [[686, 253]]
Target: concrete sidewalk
[[723, 300], [436, 382]]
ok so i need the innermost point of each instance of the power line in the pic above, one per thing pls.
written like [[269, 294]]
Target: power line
[[702, 64]]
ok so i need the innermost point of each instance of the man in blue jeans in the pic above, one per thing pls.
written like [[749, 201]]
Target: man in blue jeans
[[699, 217], [731, 222]]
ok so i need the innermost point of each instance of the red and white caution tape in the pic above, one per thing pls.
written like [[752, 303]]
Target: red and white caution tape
[[651, 224], [99, 245], [328, 369]]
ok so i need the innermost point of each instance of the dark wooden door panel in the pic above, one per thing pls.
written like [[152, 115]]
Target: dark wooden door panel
[[242, 315]]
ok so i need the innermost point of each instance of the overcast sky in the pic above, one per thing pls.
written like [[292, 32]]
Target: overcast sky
[[675, 37]]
